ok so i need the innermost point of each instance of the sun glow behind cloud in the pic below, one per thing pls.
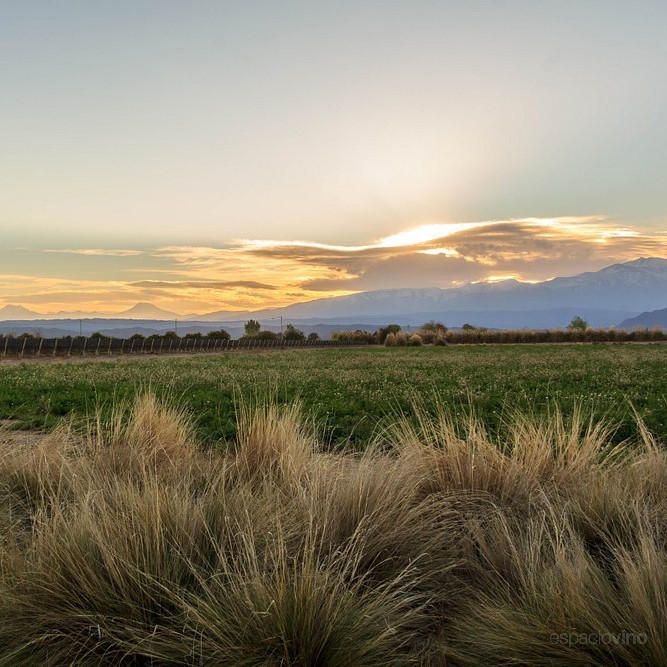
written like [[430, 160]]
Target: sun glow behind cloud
[[424, 233], [405, 239], [258, 273]]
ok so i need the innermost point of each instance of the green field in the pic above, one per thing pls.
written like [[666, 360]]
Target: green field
[[351, 390], [448, 544]]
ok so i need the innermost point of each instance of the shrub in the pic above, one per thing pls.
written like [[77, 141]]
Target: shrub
[[430, 331], [220, 334], [390, 340], [292, 333], [434, 327], [382, 333], [401, 338], [415, 340], [428, 337], [359, 337], [262, 335]]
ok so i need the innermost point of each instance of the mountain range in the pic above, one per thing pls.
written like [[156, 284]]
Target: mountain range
[[12, 312], [612, 295], [140, 311], [653, 318], [603, 297]]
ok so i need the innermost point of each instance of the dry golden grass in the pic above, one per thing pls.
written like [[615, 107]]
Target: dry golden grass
[[130, 545]]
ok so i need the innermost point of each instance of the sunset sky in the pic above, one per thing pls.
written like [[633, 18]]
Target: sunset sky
[[212, 155]]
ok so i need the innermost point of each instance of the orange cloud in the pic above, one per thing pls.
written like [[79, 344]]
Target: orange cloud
[[248, 274]]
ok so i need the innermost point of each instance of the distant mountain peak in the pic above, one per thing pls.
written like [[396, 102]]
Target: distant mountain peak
[[144, 305], [146, 311], [14, 306], [651, 319], [16, 312], [648, 263], [642, 263]]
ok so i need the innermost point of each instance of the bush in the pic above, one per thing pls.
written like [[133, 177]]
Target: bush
[[262, 335], [415, 340], [434, 327], [220, 334], [390, 340], [382, 333], [428, 337], [401, 338], [482, 335], [292, 333], [358, 337], [430, 331]]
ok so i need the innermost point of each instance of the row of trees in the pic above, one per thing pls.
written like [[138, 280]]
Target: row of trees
[[253, 330], [436, 333], [220, 334], [570, 335], [430, 333]]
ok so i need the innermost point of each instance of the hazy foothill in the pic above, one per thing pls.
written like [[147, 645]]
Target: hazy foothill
[[333, 334]]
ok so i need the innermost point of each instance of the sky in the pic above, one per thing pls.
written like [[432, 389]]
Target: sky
[[208, 156]]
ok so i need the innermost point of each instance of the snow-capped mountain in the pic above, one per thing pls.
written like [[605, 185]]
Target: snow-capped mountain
[[607, 296], [604, 298]]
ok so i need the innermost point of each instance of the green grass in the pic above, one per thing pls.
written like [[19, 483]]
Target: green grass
[[350, 390]]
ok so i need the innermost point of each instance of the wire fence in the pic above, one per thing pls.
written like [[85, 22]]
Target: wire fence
[[32, 346], [82, 346]]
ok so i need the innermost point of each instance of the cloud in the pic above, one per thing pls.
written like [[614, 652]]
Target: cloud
[[97, 252], [202, 284], [101, 298], [258, 273], [443, 256]]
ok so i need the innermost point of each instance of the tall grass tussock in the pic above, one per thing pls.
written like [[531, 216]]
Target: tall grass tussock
[[132, 544]]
